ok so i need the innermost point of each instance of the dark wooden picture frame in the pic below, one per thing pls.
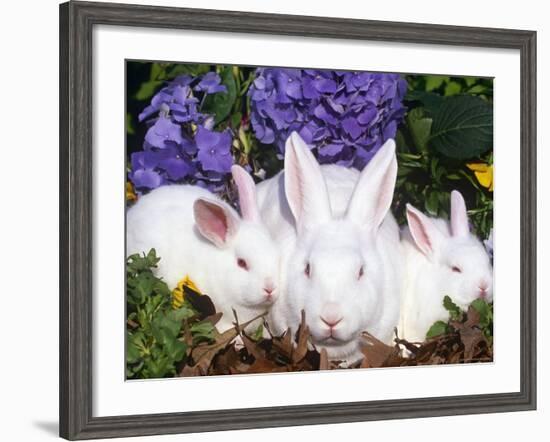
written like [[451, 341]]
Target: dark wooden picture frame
[[77, 20]]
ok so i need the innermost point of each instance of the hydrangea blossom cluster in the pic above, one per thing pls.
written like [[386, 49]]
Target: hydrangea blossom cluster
[[345, 116], [180, 144]]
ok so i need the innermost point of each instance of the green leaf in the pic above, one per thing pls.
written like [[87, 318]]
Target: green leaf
[[485, 311], [453, 88], [220, 104], [470, 80], [437, 329], [462, 127], [430, 100], [432, 204], [158, 71], [189, 69], [478, 89], [133, 353], [454, 310], [258, 333], [175, 349], [236, 118], [419, 128], [434, 81], [202, 331], [147, 89], [184, 312], [129, 126]]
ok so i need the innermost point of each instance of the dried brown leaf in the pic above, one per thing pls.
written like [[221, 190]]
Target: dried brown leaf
[[253, 348], [300, 351], [471, 338], [283, 345], [376, 353], [324, 363]]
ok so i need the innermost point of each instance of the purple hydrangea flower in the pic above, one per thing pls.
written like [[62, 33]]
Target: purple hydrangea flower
[[211, 83], [214, 150], [181, 145], [344, 116]]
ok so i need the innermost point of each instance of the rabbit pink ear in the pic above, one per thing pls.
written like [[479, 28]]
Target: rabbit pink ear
[[373, 193], [305, 187], [215, 222], [459, 216], [424, 232], [247, 194]]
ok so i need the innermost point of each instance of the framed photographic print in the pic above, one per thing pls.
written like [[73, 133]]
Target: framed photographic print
[[309, 219]]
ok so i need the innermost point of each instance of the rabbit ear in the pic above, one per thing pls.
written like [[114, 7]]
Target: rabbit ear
[[305, 187], [459, 217], [215, 221], [424, 232], [373, 193], [247, 194]]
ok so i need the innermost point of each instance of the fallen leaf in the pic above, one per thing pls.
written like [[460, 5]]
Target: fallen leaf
[[324, 362], [376, 353], [302, 339]]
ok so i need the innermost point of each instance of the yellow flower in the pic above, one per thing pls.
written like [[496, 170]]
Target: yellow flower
[[483, 173], [178, 293], [130, 194]]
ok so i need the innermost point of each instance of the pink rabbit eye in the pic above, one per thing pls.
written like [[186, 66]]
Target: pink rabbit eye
[[307, 270], [361, 272], [456, 269], [242, 263]]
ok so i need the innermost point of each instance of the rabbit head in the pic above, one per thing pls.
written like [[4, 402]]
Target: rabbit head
[[463, 269], [248, 262], [335, 273]]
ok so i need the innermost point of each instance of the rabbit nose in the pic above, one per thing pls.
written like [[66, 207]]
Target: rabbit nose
[[331, 322], [482, 291], [268, 290], [331, 314]]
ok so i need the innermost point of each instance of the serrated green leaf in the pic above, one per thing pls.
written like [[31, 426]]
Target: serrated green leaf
[[484, 310], [454, 310], [462, 127], [437, 329], [132, 350], [202, 331], [184, 312]]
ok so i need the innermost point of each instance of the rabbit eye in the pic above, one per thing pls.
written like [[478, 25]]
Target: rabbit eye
[[361, 272], [307, 270], [456, 269], [242, 264]]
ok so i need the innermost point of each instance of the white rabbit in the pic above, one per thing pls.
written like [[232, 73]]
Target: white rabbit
[[231, 259], [340, 248], [442, 259]]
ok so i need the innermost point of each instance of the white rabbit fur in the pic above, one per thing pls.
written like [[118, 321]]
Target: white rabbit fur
[[197, 234], [442, 259], [310, 212]]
